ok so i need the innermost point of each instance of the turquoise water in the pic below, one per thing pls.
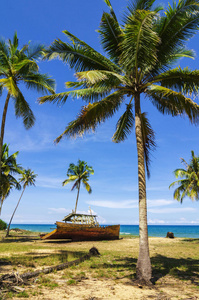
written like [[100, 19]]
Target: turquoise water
[[187, 231]]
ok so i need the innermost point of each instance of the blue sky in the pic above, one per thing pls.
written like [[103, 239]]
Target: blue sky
[[115, 192]]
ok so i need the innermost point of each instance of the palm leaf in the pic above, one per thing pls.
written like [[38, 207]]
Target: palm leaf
[[181, 80], [174, 103], [22, 109], [148, 137], [178, 25], [124, 125], [92, 115], [79, 55], [139, 41], [110, 33]]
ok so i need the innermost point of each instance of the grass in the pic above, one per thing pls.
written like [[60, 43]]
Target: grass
[[178, 258]]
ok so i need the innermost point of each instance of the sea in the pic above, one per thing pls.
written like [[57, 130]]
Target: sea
[[181, 231]]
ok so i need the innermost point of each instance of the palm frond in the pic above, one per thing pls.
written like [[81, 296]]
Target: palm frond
[[92, 115], [148, 137], [110, 34], [22, 109], [99, 76], [79, 55], [173, 103], [40, 82], [140, 5], [181, 80], [178, 25], [139, 41], [124, 125]]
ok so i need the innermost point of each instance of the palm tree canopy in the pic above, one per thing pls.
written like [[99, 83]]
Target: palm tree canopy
[[20, 66], [140, 54], [79, 173], [189, 184], [27, 178], [9, 168]]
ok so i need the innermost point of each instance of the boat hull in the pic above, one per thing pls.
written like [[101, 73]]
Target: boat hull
[[78, 232]]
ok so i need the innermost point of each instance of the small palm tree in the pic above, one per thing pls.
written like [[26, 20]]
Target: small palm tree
[[9, 167], [79, 173], [20, 66], [189, 185], [27, 179]]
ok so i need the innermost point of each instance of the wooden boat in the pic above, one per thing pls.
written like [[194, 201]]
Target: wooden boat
[[79, 227]]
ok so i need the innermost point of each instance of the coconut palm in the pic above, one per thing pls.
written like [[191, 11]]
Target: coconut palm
[[77, 174], [189, 185], [20, 66], [137, 67], [27, 179], [9, 169]]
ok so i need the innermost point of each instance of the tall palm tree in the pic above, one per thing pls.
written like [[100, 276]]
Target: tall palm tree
[[9, 169], [189, 185], [137, 67], [20, 66], [77, 174], [27, 179]]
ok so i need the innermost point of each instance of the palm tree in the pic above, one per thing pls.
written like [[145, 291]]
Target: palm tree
[[27, 179], [138, 61], [77, 174], [9, 167], [20, 66], [189, 185]]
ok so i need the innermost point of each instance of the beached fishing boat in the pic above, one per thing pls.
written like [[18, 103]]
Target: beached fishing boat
[[81, 227]]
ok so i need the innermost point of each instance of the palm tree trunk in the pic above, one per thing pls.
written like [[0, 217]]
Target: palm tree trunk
[[143, 267], [2, 200], [77, 197], [3, 126], [8, 229]]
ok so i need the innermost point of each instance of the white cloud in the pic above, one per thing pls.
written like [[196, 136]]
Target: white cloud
[[48, 182], [59, 210], [156, 221], [128, 203], [171, 210]]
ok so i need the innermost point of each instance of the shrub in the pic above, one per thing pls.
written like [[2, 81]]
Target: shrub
[[3, 225]]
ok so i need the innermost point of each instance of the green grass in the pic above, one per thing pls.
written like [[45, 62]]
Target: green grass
[[178, 258]]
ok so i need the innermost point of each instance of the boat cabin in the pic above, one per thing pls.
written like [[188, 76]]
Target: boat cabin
[[81, 219]]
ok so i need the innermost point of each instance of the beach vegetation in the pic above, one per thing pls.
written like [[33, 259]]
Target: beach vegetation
[[27, 179], [137, 66], [3, 225], [78, 174], [174, 262], [188, 180], [9, 169], [19, 66]]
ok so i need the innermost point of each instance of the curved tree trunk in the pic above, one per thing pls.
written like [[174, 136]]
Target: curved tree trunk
[[8, 229], [3, 126], [77, 197], [143, 268]]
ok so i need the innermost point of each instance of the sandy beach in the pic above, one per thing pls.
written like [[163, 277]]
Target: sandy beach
[[109, 276]]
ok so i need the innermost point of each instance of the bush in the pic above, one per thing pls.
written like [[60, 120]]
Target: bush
[[3, 225]]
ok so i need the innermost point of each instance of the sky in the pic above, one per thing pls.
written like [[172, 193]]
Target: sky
[[115, 181]]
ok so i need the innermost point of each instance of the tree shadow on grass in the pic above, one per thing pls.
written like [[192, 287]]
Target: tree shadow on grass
[[195, 241], [35, 259], [21, 239], [184, 269]]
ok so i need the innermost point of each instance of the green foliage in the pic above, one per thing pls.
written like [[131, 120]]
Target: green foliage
[[78, 174], [189, 185], [9, 168], [19, 65], [3, 225], [140, 54]]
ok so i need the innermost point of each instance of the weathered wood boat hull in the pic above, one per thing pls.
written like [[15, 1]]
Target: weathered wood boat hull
[[78, 232]]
